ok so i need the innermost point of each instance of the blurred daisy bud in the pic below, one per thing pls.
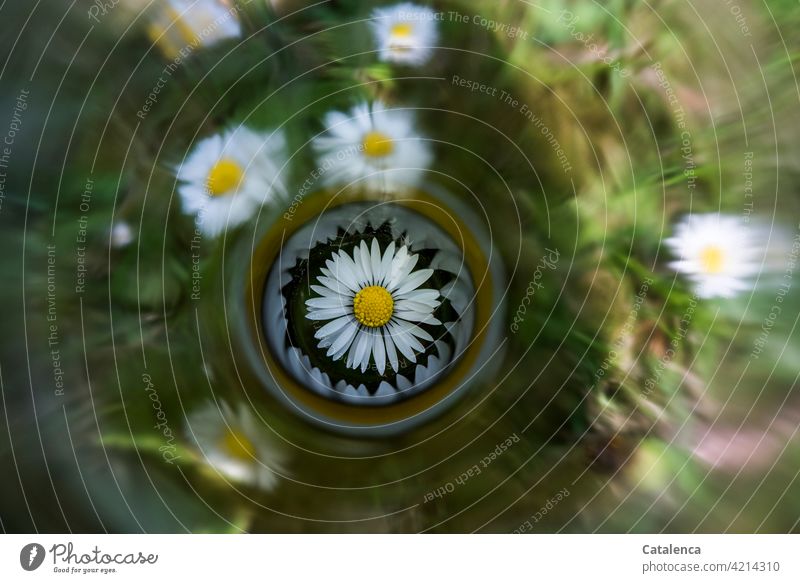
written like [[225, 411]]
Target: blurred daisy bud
[[373, 146], [121, 235], [178, 27], [227, 177], [405, 33]]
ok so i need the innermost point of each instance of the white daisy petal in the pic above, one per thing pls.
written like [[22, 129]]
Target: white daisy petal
[[326, 313], [370, 344], [379, 352], [401, 341], [344, 272], [401, 271], [327, 292], [332, 327], [386, 263], [342, 343], [412, 329], [424, 295], [348, 261], [418, 317], [391, 351], [366, 261], [328, 302], [375, 262], [363, 279], [413, 281], [358, 350], [399, 259], [415, 306], [336, 285]]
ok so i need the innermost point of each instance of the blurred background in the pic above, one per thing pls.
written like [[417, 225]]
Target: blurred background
[[582, 133]]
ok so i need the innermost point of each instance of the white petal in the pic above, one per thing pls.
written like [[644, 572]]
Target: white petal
[[401, 272], [379, 352], [366, 262], [353, 268], [334, 285], [386, 263], [371, 341], [419, 332], [398, 262], [359, 350], [412, 316], [425, 296], [413, 281], [344, 271], [329, 293], [411, 330], [329, 302], [326, 313], [401, 342], [342, 343], [363, 278], [333, 327], [375, 263], [422, 307], [391, 352]]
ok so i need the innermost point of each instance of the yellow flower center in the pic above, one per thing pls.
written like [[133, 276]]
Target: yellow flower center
[[238, 446], [377, 145], [712, 259], [402, 29], [224, 177], [373, 306]]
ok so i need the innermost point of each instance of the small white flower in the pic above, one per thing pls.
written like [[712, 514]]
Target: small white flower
[[227, 177], [235, 445], [121, 235], [719, 254], [406, 33], [375, 146], [179, 25], [374, 305]]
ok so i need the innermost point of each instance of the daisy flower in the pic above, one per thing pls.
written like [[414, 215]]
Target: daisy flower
[[373, 305], [179, 25], [235, 445], [719, 254], [406, 33], [372, 145], [227, 177], [405, 240]]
